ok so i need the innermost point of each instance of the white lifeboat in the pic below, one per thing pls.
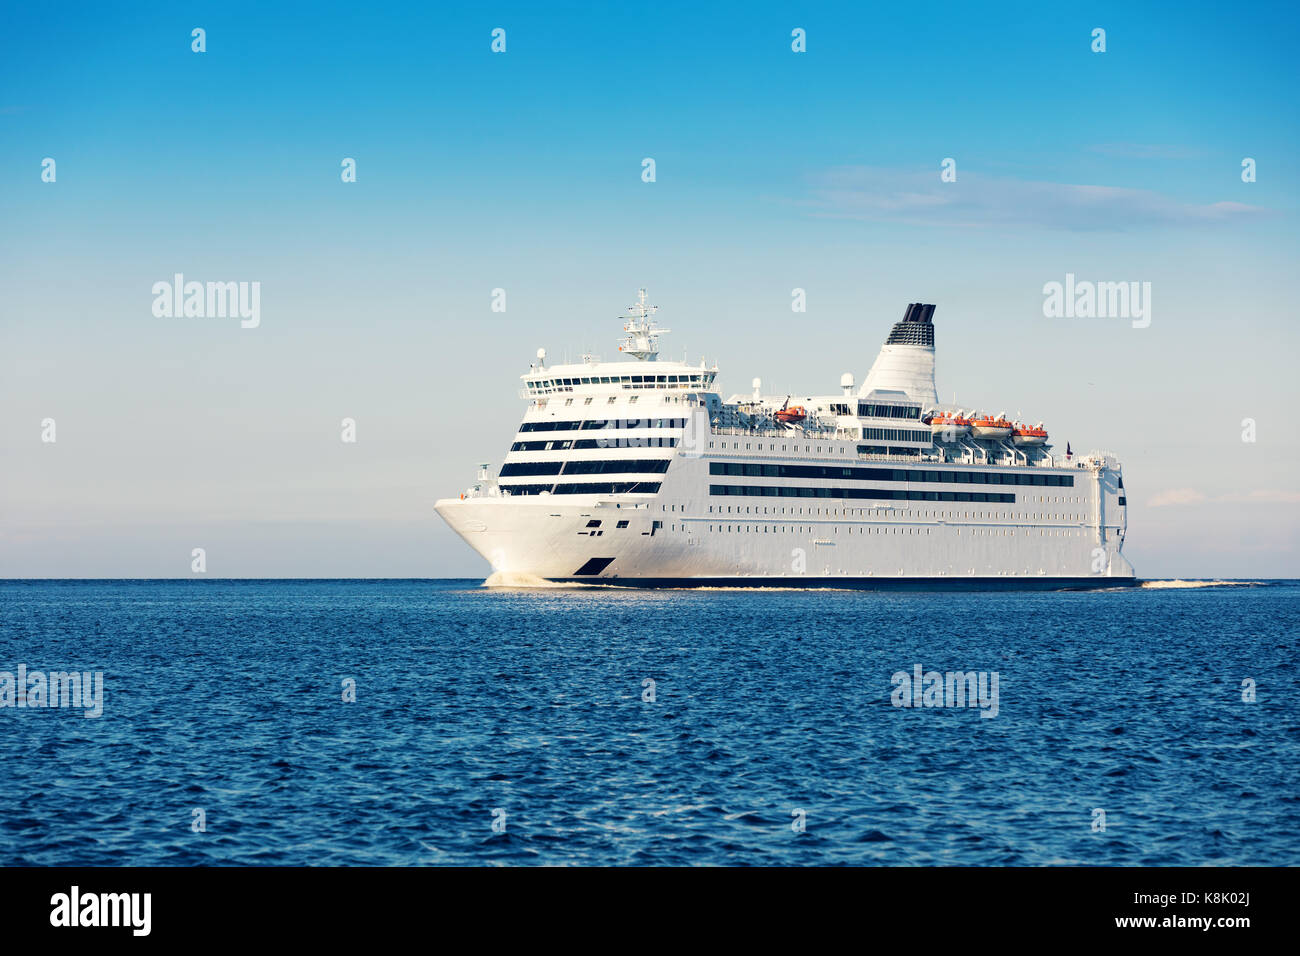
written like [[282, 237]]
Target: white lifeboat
[[1029, 434], [990, 426]]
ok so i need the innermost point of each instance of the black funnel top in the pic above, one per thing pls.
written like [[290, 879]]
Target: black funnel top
[[917, 327]]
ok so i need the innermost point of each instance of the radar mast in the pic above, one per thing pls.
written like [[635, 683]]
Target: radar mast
[[640, 339]]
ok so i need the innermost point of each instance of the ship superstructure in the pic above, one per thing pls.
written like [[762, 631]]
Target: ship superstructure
[[637, 472]]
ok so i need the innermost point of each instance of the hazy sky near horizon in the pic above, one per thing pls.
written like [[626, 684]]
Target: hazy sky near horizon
[[523, 171]]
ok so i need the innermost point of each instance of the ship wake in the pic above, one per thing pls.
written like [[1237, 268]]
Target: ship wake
[[519, 579], [1179, 583]]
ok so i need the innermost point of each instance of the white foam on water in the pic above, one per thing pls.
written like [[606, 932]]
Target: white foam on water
[[518, 579]]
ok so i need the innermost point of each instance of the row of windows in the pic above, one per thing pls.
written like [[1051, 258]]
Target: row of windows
[[887, 512], [603, 423], [641, 466], [591, 488], [883, 494], [645, 466], [801, 529], [894, 451], [868, 410], [652, 441], [897, 434], [628, 381], [751, 469]]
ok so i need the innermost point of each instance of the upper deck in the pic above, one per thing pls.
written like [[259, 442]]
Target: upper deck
[[596, 377], [631, 417]]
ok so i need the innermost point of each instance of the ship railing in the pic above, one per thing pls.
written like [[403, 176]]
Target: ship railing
[[1001, 455], [797, 434], [862, 456]]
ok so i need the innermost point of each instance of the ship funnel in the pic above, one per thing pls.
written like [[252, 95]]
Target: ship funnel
[[906, 360]]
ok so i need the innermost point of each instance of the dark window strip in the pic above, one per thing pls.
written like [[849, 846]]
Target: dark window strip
[[762, 470], [603, 423], [588, 488], [877, 494]]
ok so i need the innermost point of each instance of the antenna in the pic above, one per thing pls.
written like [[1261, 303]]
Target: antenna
[[641, 334]]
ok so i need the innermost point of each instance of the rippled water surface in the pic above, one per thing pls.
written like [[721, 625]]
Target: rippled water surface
[[226, 697]]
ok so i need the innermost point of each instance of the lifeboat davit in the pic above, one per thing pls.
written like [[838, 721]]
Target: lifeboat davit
[[953, 425], [990, 426], [789, 416], [1029, 435]]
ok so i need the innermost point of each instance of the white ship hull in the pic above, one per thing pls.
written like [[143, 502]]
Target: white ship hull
[[821, 542]]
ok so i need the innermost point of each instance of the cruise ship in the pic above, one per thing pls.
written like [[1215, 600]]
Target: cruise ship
[[638, 473]]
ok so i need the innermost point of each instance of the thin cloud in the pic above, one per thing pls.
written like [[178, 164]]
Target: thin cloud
[[1190, 496], [871, 193], [1144, 150]]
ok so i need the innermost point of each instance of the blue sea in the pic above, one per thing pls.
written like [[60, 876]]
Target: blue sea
[[521, 726]]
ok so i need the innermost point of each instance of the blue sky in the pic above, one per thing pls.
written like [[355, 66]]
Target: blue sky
[[522, 171]]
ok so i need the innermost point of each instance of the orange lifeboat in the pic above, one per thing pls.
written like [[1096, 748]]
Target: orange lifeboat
[[1029, 434], [990, 426], [789, 416], [943, 425]]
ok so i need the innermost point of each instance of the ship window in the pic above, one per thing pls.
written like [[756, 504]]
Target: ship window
[[520, 468], [608, 488]]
